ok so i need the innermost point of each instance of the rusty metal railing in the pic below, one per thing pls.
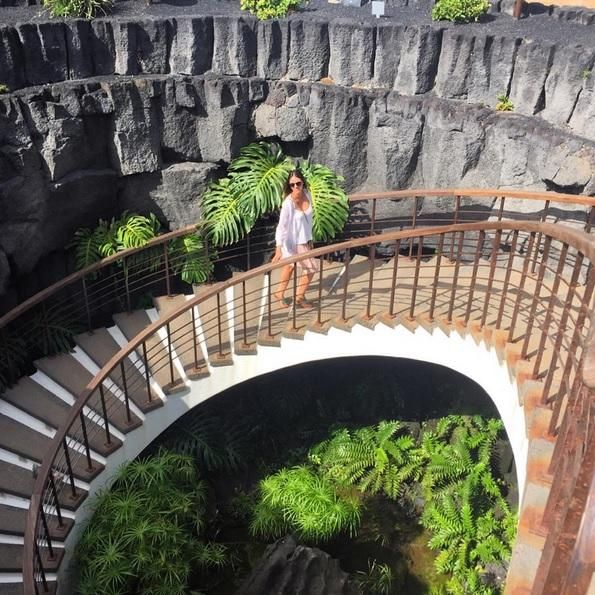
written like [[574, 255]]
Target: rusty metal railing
[[475, 275]]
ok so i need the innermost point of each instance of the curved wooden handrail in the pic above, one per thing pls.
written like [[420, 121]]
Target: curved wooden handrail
[[577, 239], [583, 201], [587, 201]]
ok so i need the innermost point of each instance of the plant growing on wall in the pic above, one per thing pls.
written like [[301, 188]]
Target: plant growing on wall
[[301, 501], [470, 520], [504, 104], [254, 188], [146, 534], [270, 9], [188, 256], [217, 444], [13, 358], [376, 458], [4, 88], [86, 9], [460, 11]]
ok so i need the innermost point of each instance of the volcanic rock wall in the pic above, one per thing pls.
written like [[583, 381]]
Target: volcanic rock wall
[[158, 108], [552, 80]]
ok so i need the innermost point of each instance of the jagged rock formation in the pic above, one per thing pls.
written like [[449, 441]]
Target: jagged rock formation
[[541, 77], [152, 143], [287, 568]]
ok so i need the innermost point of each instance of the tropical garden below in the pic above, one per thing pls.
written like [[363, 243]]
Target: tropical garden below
[[399, 470]]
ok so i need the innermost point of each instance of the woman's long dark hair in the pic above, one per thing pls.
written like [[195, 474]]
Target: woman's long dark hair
[[296, 173]]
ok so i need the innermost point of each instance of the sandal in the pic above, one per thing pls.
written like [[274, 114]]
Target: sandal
[[303, 303], [283, 302]]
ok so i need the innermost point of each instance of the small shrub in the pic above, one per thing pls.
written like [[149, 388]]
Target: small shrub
[[86, 9], [586, 74], [504, 104], [269, 9], [4, 88], [460, 11], [379, 579], [298, 500]]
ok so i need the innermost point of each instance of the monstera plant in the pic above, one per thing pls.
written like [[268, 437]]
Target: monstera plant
[[254, 188]]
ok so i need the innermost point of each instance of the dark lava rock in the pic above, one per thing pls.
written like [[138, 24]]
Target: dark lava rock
[[287, 568]]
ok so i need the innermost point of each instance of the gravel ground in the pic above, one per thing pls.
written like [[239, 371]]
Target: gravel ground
[[538, 26]]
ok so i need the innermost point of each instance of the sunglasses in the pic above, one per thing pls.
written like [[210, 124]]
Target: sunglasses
[[295, 184]]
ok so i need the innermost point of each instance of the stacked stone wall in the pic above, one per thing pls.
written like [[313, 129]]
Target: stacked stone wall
[[541, 78]]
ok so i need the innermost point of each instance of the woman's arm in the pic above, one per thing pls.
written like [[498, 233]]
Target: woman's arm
[[282, 229]]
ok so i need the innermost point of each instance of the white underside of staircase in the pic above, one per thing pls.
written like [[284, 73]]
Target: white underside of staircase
[[461, 354]]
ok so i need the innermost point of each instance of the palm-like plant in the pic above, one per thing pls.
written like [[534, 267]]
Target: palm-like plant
[[329, 201], [145, 534], [466, 512], [260, 172], [375, 458], [190, 259], [254, 188], [13, 358], [216, 444], [130, 230], [302, 501]]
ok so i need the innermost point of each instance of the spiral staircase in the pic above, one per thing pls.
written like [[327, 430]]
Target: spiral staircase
[[520, 289]]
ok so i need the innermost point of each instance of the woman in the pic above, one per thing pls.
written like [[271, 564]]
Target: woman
[[292, 237]]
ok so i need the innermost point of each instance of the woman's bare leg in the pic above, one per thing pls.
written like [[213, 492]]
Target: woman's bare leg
[[286, 271], [303, 284]]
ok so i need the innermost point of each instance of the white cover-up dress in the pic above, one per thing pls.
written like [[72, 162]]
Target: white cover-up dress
[[294, 231]]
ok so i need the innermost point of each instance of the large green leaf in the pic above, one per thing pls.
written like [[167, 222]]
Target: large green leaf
[[87, 247], [226, 221], [259, 174], [13, 357], [329, 201], [134, 231], [190, 259]]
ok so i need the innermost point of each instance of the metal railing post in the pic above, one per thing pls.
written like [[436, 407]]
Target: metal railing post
[[104, 410], [420, 245], [70, 473], [393, 288], [478, 249], [125, 387], [372, 259], [517, 303], [436, 277], [493, 260], [511, 254], [146, 366], [166, 265], [86, 441]]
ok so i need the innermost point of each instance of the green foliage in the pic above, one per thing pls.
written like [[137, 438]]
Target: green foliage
[[504, 104], [466, 512], [13, 358], [4, 88], [130, 230], [260, 172], [376, 459], [304, 502], [223, 213], [379, 579], [53, 330], [190, 260], [269, 9], [329, 201], [216, 444], [254, 188], [145, 532], [188, 256], [586, 74], [86, 9], [460, 11]]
